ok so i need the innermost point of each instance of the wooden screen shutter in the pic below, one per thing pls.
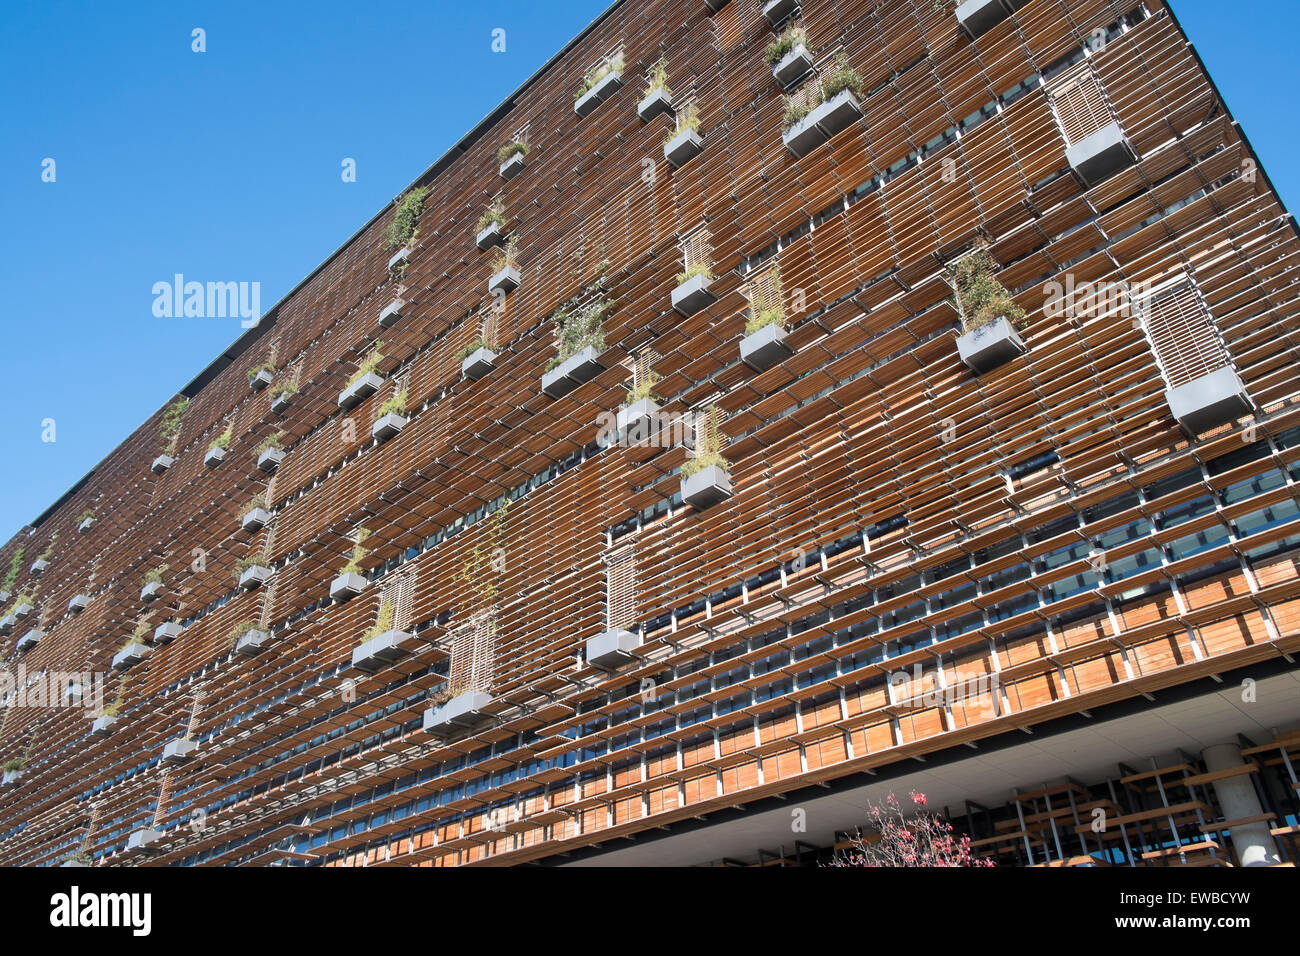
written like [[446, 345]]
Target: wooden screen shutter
[[763, 290], [620, 587], [473, 655], [1080, 104], [697, 249], [1183, 335], [399, 592]]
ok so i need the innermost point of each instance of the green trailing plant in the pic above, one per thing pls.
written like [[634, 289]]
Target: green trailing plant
[[797, 106], [396, 404], [478, 343], [15, 567], [791, 37], [687, 119], [49, 548], [698, 269], [383, 622], [243, 564], [283, 388], [598, 73], [275, 441], [87, 514], [658, 78], [141, 631], [484, 563], [644, 388], [222, 441], [495, 214], [836, 80], [264, 367], [840, 77], [240, 629], [369, 362], [981, 297], [155, 576], [258, 501], [11, 766], [766, 307], [506, 150], [171, 421], [507, 255], [113, 709], [580, 328], [358, 552], [401, 230], [22, 598], [708, 446]]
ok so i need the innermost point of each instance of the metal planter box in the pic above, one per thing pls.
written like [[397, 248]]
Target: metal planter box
[[255, 520], [706, 487], [167, 632], [604, 88], [763, 349], [684, 146], [251, 643], [29, 640], [347, 586], [12, 777], [161, 464], [6, 624], [254, 577], [693, 294], [261, 380], [38, 567], [489, 236], [22, 611], [270, 459], [360, 389], [513, 166], [103, 725], [214, 457], [280, 404], [577, 369], [637, 418], [398, 259], [78, 603], [478, 363], [391, 314], [612, 648], [86, 525], [653, 103], [715, 5], [793, 65], [505, 279], [463, 710], [388, 426], [381, 650], [990, 345], [977, 17], [179, 750], [833, 116], [151, 591], [1103, 154], [778, 10], [130, 655], [143, 840], [1209, 401]]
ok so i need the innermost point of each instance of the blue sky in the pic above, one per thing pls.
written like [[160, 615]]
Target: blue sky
[[225, 166]]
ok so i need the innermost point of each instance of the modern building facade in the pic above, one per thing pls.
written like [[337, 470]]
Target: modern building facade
[[670, 472]]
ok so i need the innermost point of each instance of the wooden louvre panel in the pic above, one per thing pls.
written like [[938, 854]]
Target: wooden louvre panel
[[1182, 333], [1080, 104], [620, 587], [473, 655], [762, 290], [398, 593], [697, 249]]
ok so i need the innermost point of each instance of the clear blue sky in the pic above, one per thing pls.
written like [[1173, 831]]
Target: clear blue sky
[[225, 165]]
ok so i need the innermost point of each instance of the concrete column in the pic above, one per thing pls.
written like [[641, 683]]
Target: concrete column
[[1253, 843]]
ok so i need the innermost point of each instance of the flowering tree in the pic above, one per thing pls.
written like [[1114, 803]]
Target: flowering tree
[[923, 839]]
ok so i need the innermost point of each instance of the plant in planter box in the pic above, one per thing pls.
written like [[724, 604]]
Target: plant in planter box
[[477, 357], [281, 393], [658, 96], [43, 559], [788, 55], [252, 571], [505, 268], [171, 433], [401, 230], [366, 380], [579, 340], [391, 417], [765, 329], [270, 453], [383, 622], [822, 107], [256, 517], [684, 141], [351, 581], [153, 583], [491, 227], [792, 36], [706, 477], [259, 376], [597, 82], [692, 290], [640, 406], [220, 445], [990, 317], [510, 157], [14, 765], [11, 576]]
